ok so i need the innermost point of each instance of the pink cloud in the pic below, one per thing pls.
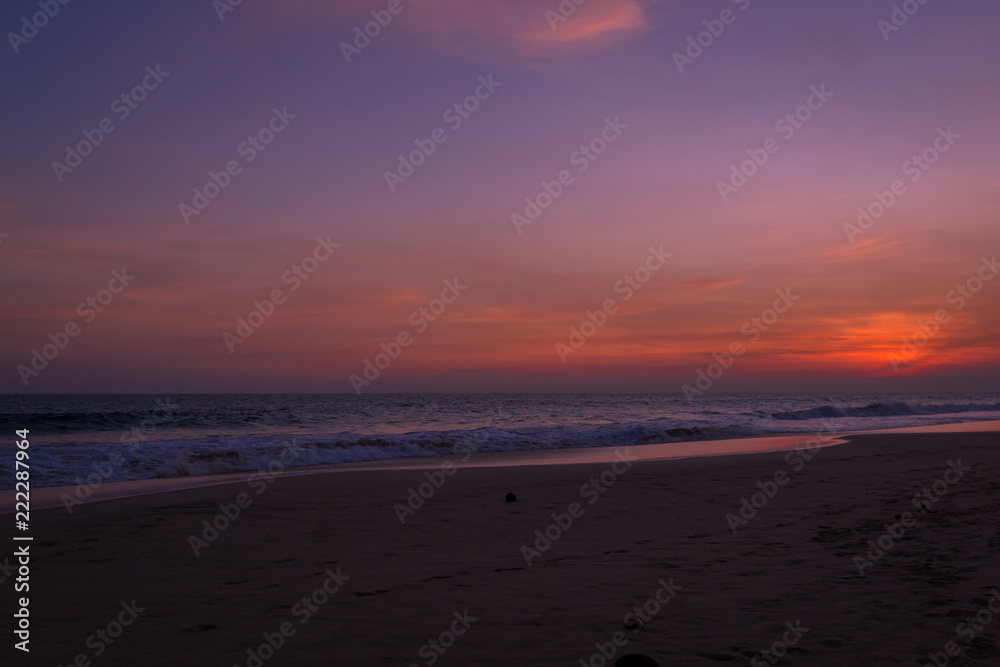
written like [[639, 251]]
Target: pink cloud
[[492, 31]]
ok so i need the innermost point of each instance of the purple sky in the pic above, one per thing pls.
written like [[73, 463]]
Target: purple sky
[[343, 125]]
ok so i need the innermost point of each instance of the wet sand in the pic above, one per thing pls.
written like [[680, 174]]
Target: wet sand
[[653, 534]]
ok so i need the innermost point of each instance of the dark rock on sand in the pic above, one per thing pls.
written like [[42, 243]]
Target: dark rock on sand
[[634, 623]]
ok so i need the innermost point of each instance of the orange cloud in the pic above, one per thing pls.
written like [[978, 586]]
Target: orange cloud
[[595, 25], [880, 247], [490, 31]]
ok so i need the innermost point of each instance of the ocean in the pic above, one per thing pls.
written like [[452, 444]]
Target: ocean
[[134, 437]]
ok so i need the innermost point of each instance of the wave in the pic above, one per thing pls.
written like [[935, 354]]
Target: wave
[[245, 435], [74, 463], [888, 409]]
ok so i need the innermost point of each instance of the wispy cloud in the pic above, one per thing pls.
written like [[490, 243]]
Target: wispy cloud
[[490, 31]]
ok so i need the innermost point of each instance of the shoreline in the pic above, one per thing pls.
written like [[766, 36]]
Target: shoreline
[[554, 575], [44, 498]]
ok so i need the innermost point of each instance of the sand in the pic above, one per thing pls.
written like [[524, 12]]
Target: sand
[[456, 571]]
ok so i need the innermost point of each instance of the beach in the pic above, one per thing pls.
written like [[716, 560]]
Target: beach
[[351, 568], [634, 333]]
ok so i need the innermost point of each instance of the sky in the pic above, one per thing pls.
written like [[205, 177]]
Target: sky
[[706, 160]]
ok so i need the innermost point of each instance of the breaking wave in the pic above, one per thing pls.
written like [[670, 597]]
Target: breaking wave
[[885, 410]]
